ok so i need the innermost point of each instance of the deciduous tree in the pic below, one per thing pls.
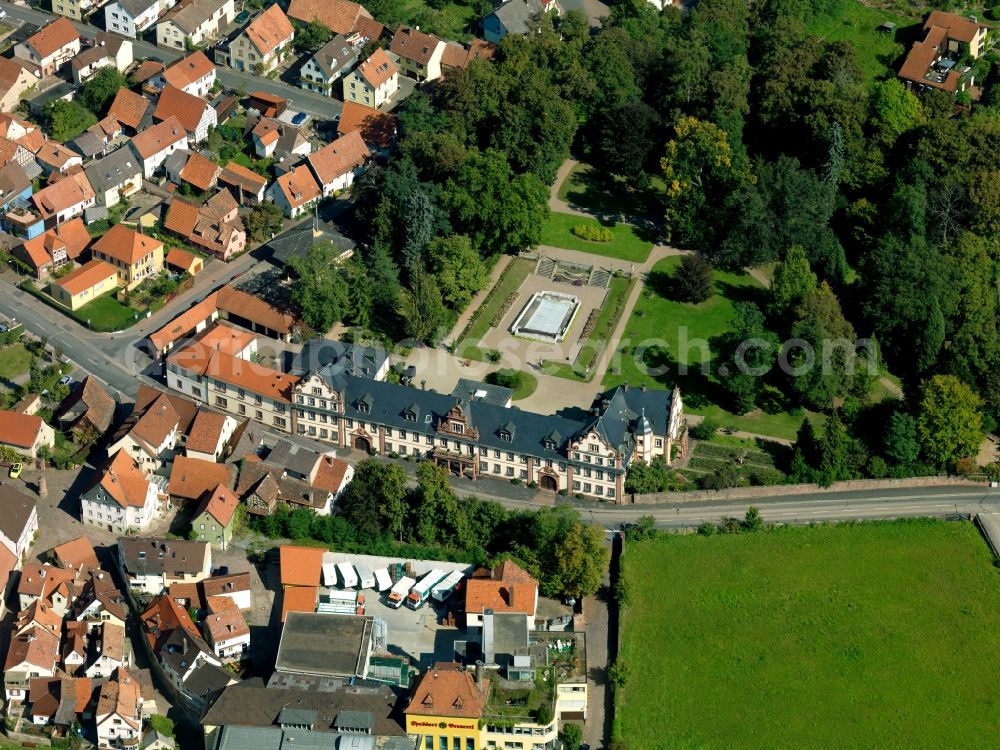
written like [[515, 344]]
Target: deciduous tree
[[949, 422]]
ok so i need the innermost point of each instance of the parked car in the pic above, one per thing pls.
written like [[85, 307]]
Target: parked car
[[15, 471], [65, 380], [299, 118]]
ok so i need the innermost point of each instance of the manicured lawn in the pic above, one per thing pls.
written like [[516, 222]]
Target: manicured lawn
[[509, 283], [664, 335], [106, 314], [14, 360], [593, 190], [875, 635], [851, 21], [626, 245]]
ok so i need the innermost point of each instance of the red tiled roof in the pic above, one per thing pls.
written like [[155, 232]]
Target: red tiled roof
[[239, 176], [959, 28], [192, 478], [340, 157], [298, 599], [185, 323], [125, 482], [238, 302], [205, 431], [269, 29], [378, 68], [377, 128], [414, 44], [187, 70], [300, 566], [128, 108], [180, 259], [76, 554], [71, 236], [340, 16], [299, 186], [220, 505], [187, 108], [64, 194], [447, 690], [86, 276], [126, 245], [200, 171], [54, 37], [159, 137]]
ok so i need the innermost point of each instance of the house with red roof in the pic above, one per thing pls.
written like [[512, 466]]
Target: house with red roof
[[194, 113], [263, 42], [50, 47], [25, 433], [336, 164], [374, 82], [194, 74], [136, 256], [296, 191], [214, 516], [15, 79], [123, 499], [54, 248], [156, 143]]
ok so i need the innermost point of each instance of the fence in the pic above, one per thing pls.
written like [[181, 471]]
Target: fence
[[751, 493]]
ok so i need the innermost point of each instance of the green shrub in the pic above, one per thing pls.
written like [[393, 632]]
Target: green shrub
[[593, 233]]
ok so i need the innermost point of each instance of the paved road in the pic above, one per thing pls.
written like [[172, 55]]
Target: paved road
[[317, 105], [811, 508]]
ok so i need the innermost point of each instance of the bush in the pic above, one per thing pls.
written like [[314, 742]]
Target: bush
[[493, 355], [571, 735], [593, 233], [161, 724], [704, 430]]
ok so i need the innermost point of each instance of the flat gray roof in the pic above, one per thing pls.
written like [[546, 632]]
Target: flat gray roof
[[325, 645]]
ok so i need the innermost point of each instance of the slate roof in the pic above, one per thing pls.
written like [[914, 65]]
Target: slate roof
[[334, 57], [162, 555], [113, 170], [136, 7], [515, 15], [353, 359], [297, 241]]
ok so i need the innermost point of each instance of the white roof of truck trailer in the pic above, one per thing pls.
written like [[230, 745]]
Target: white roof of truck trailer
[[447, 585], [382, 580], [403, 585], [365, 578], [329, 574], [347, 575], [425, 583]]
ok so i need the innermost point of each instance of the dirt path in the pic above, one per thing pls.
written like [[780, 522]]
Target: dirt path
[[480, 298]]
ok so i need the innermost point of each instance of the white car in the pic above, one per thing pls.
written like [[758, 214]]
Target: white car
[[65, 380]]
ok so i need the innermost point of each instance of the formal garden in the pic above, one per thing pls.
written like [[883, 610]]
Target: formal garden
[[870, 633]]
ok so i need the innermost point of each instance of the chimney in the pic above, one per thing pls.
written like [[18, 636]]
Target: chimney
[[644, 387], [479, 673], [625, 386]]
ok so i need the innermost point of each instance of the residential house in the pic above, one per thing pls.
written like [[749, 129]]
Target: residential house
[[115, 177], [193, 669], [507, 588], [192, 479], [194, 113], [246, 185], [418, 54], [33, 652], [152, 564], [78, 10], [295, 192], [191, 167], [378, 129], [88, 406], [99, 602], [458, 56], [294, 475], [63, 200], [515, 17], [136, 256], [110, 651], [328, 64], [85, 284], [76, 554], [152, 432], [131, 17], [18, 524], [336, 164], [934, 61], [340, 16], [50, 47], [25, 433], [194, 74], [119, 712], [194, 22], [374, 82], [225, 629], [54, 157], [215, 226], [156, 143], [109, 50], [131, 110], [215, 370], [273, 138], [213, 518], [15, 184], [192, 321], [54, 248], [54, 588], [210, 433], [181, 261], [97, 140], [263, 42], [235, 586], [59, 700], [122, 499], [15, 80]]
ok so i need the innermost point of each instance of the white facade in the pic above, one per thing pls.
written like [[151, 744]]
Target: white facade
[[209, 119], [120, 20], [107, 514], [121, 61], [171, 34], [155, 161], [148, 461]]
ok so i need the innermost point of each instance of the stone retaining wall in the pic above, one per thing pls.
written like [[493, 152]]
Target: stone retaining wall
[[751, 493]]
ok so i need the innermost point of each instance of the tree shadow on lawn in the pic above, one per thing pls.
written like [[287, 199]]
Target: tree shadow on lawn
[[742, 293], [698, 389]]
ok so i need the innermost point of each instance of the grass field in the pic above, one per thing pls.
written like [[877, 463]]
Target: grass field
[[557, 231], [509, 283], [14, 360], [878, 635], [661, 327], [851, 21], [107, 314]]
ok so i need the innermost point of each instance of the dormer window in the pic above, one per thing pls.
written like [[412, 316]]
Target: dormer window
[[505, 436], [409, 416], [363, 407], [549, 445], [457, 427]]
